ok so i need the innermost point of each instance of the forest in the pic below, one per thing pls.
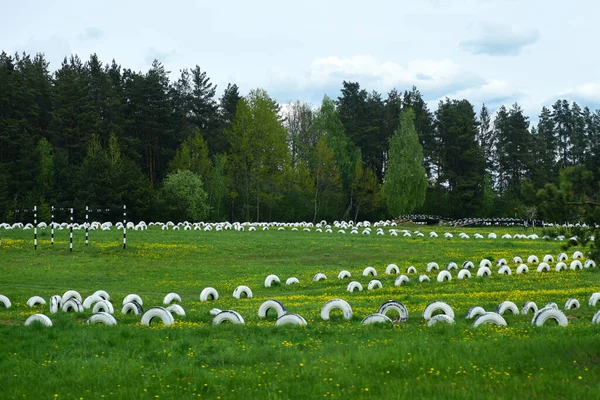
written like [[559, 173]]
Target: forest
[[97, 134]]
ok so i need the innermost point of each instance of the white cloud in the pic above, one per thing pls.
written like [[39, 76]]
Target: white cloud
[[498, 40], [587, 92]]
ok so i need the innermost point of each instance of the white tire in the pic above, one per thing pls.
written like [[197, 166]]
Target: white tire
[[133, 307], [548, 258], [392, 269], [562, 257], [411, 270], [369, 271], [444, 275], [561, 266], [485, 263], [71, 294], [103, 306], [72, 305], [38, 318], [176, 309], [547, 313], [575, 264], [504, 270], [484, 271], [507, 306], [474, 312], [522, 269], [578, 254], [489, 318], [431, 266], [437, 306], [292, 281], [354, 285], [376, 318], [215, 311], [596, 318], [102, 318], [571, 304], [55, 303], [157, 312], [468, 264], [594, 298], [171, 297], [423, 278], [271, 279], [400, 280], [264, 308], [291, 319], [209, 293], [319, 277], [133, 297], [394, 305], [440, 318], [91, 300], [103, 294], [374, 284], [529, 306], [336, 304], [589, 264], [451, 265], [228, 316], [464, 273], [552, 305], [532, 259], [344, 274], [543, 267], [517, 260], [35, 300], [242, 290], [501, 262]]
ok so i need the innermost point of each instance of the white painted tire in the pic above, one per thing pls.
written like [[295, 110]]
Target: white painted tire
[[55, 303], [522, 269], [264, 308], [571, 304], [543, 267], [291, 319], [440, 318], [547, 313], [451, 265], [468, 264], [374, 284], [176, 309], [589, 264], [171, 297], [474, 312], [484, 271], [489, 318], [507, 306], [35, 300], [437, 306], [394, 305], [392, 269], [102, 318], [423, 278], [103, 306], [594, 298], [401, 280], [376, 318], [354, 285], [157, 312], [336, 304], [411, 270], [319, 277], [133, 297], [38, 318], [529, 306], [504, 270], [548, 258], [344, 274], [72, 304], [103, 294], [485, 263], [596, 318], [209, 293], [551, 305], [532, 259], [91, 300], [501, 262], [576, 264], [240, 290], [292, 281], [271, 279], [431, 266], [71, 294], [562, 257], [215, 311], [577, 255], [369, 271], [228, 316], [444, 275], [517, 260], [133, 307]]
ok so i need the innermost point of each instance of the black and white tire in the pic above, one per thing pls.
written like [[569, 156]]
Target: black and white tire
[[529, 306], [485, 263], [344, 274], [547, 313], [55, 303], [577, 255], [271, 279], [401, 280], [423, 278], [484, 271], [522, 269], [552, 305], [431, 266], [596, 318], [468, 264], [437, 306], [562, 257], [72, 305], [157, 312], [171, 297], [374, 284], [376, 318], [35, 300], [291, 319], [517, 260], [594, 298], [354, 285], [532, 259], [133, 297], [228, 316], [102, 318], [176, 309], [264, 308], [589, 264], [38, 318], [91, 300], [463, 274], [507, 306], [209, 293], [411, 270], [444, 275], [396, 306], [336, 304], [215, 311], [242, 290], [132, 307], [292, 281], [369, 271], [319, 277], [504, 270], [474, 312], [543, 267], [71, 294], [501, 262], [489, 318], [571, 304], [446, 319], [392, 269], [548, 258], [451, 265], [576, 264], [103, 294], [103, 306]]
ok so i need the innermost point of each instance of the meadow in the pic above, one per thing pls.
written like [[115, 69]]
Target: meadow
[[337, 358]]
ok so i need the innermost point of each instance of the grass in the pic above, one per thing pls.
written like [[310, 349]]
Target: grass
[[338, 358]]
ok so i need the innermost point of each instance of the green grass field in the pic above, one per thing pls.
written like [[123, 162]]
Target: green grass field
[[338, 358]]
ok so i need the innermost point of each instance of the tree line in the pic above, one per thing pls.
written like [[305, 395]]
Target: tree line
[[98, 134]]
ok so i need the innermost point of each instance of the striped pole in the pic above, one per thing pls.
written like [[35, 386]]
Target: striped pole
[[52, 226], [124, 226], [35, 227], [71, 234], [86, 225]]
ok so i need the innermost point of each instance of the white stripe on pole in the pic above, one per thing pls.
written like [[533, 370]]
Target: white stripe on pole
[[52, 226], [35, 227], [124, 226], [71, 233], [86, 225]]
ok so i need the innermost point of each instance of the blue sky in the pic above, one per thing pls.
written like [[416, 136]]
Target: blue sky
[[493, 51]]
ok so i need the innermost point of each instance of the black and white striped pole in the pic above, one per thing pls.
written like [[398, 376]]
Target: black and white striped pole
[[71, 234], [52, 226], [124, 226], [86, 225], [35, 227]]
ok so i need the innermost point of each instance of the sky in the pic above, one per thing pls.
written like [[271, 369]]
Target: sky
[[487, 51]]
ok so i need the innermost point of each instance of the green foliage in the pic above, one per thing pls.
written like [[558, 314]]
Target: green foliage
[[183, 196], [327, 182], [192, 156]]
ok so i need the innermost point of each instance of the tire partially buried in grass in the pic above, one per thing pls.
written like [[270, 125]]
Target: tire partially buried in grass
[[132, 307], [157, 312], [394, 305], [38, 319], [209, 293], [336, 304], [547, 313], [489, 318], [440, 318], [276, 305], [437, 306], [102, 318], [35, 300], [291, 319], [377, 318], [228, 316]]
